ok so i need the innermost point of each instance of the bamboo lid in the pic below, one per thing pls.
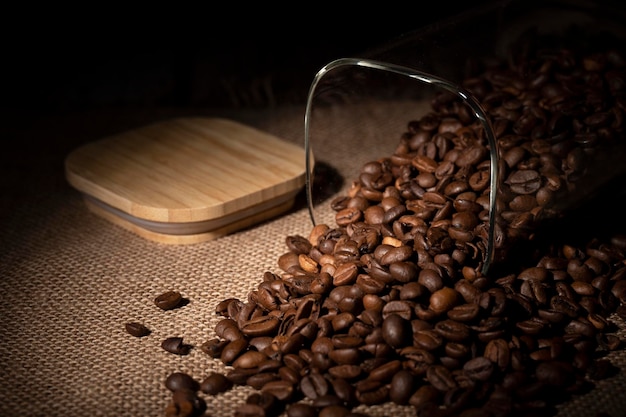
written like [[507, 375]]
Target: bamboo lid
[[188, 180]]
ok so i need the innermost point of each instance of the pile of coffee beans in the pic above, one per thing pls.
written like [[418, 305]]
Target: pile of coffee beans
[[391, 304]]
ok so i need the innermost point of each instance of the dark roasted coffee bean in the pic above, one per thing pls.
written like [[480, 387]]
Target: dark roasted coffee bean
[[345, 371], [240, 376], [222, 308], [454, 331], [282, 390], [213, 347], [464, 312], [385, 371], [301, 410], [228, 329], [479, 368], [400, 308], [343, 390], [441, 378], [176, 346], [396, 330], [215, 383], [555, 373], [232, 350], [402, 386], [180, 380], [260, 326], [298, 244], [137, 329], [249, 359], [169, 300], [346, 356], [314, 385], [258, 380]]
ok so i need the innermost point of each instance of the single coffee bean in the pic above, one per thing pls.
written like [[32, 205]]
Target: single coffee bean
[[479, 368], [314, 385], [233, 350], [176, 346], [441, 378], [213, 347], [249, 359], [260, 326], [137, 329], [169, 300], [282, 390], [215, 383], [180, 380], [397, 331]]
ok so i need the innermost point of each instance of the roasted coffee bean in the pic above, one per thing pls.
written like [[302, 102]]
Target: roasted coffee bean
[[314, 385], [258, 380], [441, 378], [400, 308], [385, 371], [479, 368], [213, 347], [301, 410], [345, 371], [444, 299], [228, 329], [180, 380], [232, 350], [222, 308], [250, 359], [260, 326], [454, 331], [176, 346], [464, 312], [396, 330], [298, 244], [137, 329], [215, 383], [169, 300], [282, 390]]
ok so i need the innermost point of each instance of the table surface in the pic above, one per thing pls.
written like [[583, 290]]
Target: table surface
[[70, 280]]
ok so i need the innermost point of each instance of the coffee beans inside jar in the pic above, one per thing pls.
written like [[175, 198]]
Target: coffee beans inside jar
[[390, 304]]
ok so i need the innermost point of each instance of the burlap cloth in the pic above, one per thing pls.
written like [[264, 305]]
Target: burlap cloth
[[70, 280]]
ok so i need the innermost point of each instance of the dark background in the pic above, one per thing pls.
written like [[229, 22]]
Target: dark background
[[234, 56], [73, 74]]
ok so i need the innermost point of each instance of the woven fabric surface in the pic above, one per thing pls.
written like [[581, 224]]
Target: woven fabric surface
[[70, 280]]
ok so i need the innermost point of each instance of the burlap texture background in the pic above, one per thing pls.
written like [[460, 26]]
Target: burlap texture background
[[70, 281]]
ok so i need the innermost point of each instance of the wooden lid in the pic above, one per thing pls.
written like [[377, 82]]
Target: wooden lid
[[188, 175]]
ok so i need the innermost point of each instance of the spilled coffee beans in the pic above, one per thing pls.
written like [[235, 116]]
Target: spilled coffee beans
[[391, 305]]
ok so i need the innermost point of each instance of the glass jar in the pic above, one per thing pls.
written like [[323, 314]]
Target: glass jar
[[473, 133]]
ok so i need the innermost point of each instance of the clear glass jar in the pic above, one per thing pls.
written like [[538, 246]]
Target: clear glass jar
[[484, 127]]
